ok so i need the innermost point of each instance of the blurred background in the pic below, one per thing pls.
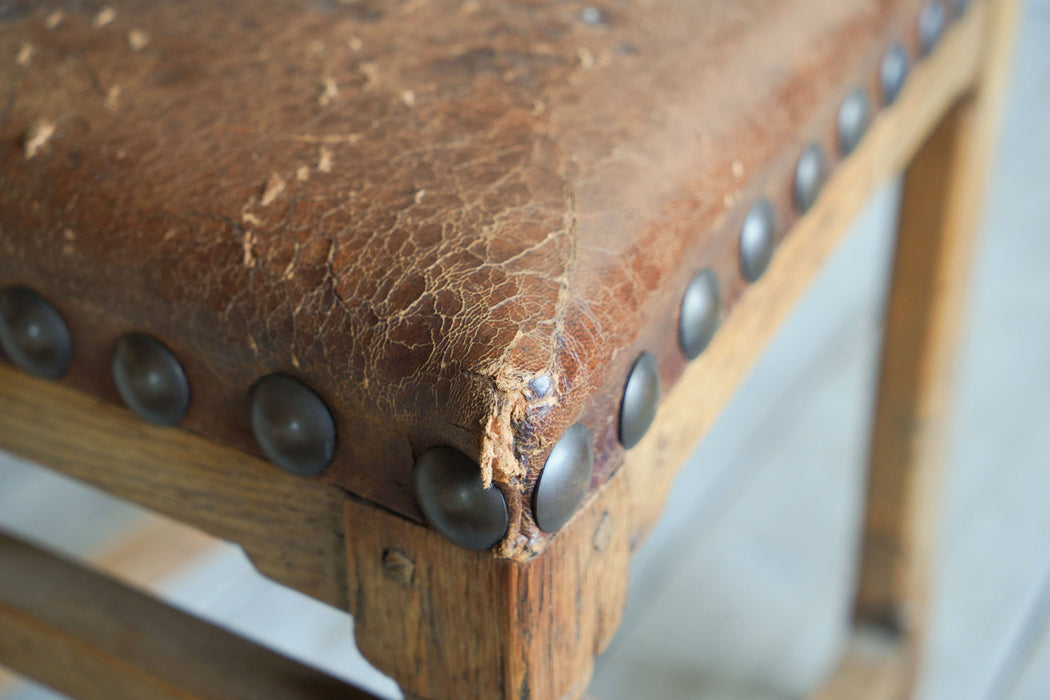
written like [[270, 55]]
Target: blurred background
[[743, 590]]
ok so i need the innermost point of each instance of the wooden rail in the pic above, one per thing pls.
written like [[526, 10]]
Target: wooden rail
[[85, 634]]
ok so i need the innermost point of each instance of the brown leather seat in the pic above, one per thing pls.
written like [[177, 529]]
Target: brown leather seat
[[459, 222]]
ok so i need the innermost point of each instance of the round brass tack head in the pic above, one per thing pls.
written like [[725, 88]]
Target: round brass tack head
[[893, 72], [150, 379], [699, 315], [448, 488], [292, 425], [641, 396], [853, 120], [565, 478], [810, 173], [931, 26], [33, 333], [757, 240]]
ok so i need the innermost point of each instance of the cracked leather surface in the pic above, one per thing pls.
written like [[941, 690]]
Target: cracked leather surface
[[458, 221]]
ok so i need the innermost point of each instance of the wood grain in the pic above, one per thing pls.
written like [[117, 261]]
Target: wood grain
[[90, 637], [457, 623], [570, 182], [939, 215], [508, 629], [710, 382], [154, 549], [467, 624], [290, 528]]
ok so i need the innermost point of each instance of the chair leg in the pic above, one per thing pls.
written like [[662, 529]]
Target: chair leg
[[935, 241]]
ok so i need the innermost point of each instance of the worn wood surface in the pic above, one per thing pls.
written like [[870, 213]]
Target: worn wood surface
[[571, 177], [291, 528], [764, 283], [940, 211], [447, 622], [471, 605], [742, 590], [468, 600], [921, 330], [1000, 523], [708, 384], [745, 581], [91, 637]]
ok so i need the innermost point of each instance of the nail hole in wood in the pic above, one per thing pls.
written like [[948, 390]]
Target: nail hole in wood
[[398, 567], [603, 533]]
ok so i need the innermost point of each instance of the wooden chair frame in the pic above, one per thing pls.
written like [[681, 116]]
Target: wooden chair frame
[[450, 623]]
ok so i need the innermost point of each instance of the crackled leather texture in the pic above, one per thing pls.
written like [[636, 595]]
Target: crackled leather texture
[[459, 221]]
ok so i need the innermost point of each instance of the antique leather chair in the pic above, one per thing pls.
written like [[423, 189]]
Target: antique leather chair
[[423, 303]]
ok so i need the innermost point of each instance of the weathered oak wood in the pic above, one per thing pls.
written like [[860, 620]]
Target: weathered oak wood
[[463, 623], [939, 216], [290, 528], [449, 623], [443, 621], [144, 556], [91, 637], [710, 382]]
